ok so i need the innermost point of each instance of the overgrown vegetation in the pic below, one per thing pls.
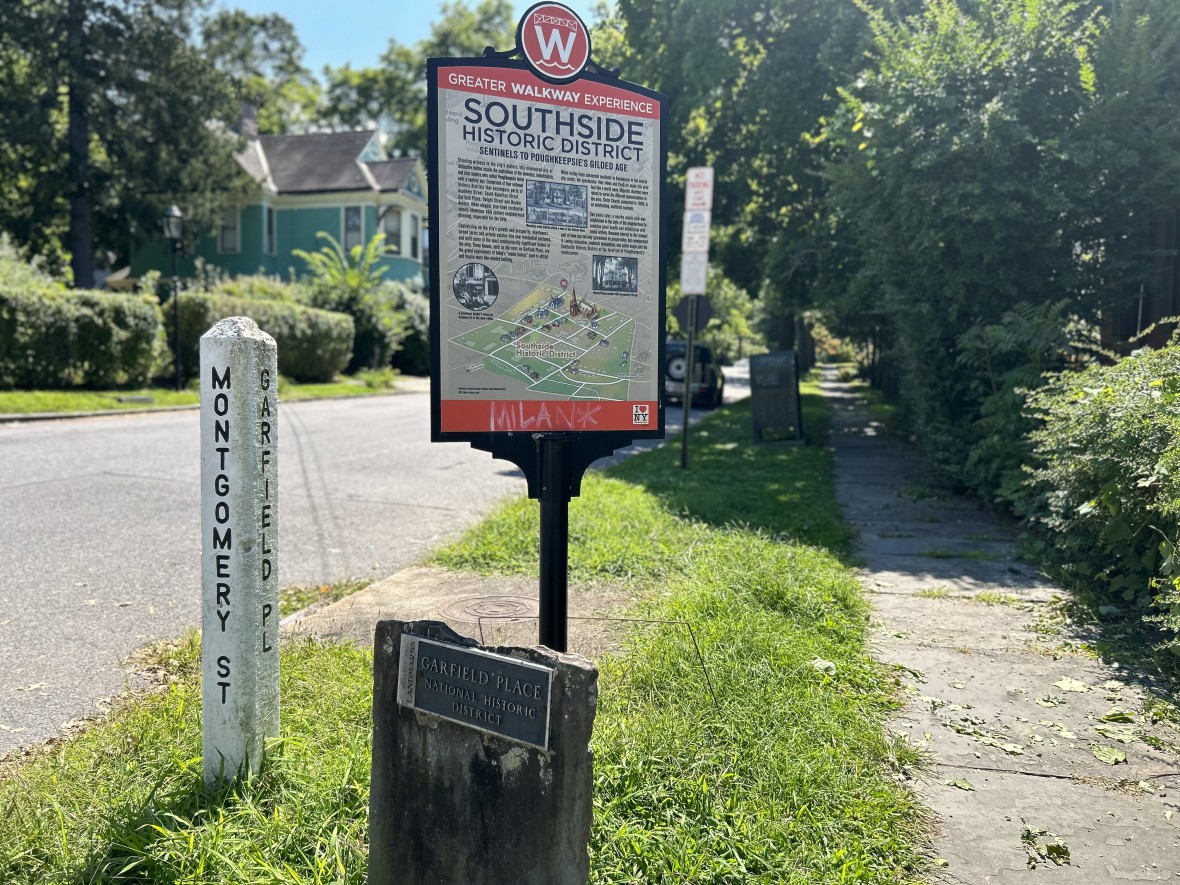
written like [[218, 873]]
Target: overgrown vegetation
[[995, 179], [1106, 488], [788, 778], [350, 282]]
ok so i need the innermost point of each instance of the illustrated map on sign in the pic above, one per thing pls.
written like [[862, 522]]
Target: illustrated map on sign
[[559, 340]]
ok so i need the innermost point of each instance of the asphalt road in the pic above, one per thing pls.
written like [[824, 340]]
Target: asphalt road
[[100, 531]]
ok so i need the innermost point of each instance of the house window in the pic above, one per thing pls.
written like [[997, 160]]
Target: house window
[[227, 236], [269, 222], [414, 237], [391, 223], [352, 227]]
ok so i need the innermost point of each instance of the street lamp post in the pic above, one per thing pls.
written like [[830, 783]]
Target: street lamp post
[[173, 222]]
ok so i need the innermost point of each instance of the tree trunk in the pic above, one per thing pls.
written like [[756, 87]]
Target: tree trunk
[[80, 239]]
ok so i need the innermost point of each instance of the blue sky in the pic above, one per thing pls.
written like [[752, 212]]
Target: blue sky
[[357, 31]]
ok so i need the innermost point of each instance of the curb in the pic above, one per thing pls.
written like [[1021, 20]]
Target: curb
[[23, 418]]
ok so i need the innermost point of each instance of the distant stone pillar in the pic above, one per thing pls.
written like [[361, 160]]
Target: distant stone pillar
[[239, 531]]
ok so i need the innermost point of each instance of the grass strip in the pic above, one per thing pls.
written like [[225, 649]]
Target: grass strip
[[32, 402], [788, 778]]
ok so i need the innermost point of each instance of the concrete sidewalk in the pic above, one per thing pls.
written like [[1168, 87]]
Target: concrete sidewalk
[[1015, 719]]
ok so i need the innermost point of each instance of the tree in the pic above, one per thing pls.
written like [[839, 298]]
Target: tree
[[109, 111], [748, 84], [1001, 159], [262, 56], [393, 94]]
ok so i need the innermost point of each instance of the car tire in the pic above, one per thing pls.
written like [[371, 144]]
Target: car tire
[[676, 368]]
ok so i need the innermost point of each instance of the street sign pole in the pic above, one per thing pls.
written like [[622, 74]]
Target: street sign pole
[[689, 356], [547, 283], [694, 268], [554, 453]]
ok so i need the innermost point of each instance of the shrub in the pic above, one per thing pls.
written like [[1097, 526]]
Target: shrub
[[1106, 488], [351, 282], [313, 344], [259, 288], [413, 357], [51, 338]]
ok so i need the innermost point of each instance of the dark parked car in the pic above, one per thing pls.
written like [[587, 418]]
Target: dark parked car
[[708, 382]]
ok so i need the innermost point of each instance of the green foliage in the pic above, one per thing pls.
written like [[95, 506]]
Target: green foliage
[[1004, 361], [263, 59], [314, 345], [728, 68], [126, 802], [729, 331], [256, 286], [1000, 156], [113, 104], [52, 338], [351, 283], [413, 357], [1106, 484]]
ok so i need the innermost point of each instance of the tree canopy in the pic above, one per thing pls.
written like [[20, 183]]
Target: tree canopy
[[107, 105]]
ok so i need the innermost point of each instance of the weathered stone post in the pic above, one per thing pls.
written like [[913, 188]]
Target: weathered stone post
[[239, 563]]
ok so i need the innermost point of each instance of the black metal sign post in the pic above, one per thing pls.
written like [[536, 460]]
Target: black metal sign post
[[689, 360], [546, 267]]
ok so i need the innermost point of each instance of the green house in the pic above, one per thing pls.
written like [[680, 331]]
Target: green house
[[337, 182]]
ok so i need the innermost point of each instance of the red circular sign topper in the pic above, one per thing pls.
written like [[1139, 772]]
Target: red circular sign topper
[[554, 41]]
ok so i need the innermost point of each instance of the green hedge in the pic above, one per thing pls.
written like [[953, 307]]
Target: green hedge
[[1106, 485], [314, 345], [51, 338]]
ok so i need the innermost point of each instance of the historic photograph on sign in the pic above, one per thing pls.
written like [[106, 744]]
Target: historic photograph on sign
[[614, 273], [475, 287], [549, 206], [560, 205]]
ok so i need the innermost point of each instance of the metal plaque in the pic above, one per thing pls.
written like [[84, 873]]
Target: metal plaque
[[477, 689]]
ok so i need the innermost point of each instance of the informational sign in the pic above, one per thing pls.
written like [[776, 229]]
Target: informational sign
[[547, 254], [694, 269], [696, 232], [479, 689], [698, 189]]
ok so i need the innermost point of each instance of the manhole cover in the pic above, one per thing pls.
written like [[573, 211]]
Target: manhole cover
[[470, 609]]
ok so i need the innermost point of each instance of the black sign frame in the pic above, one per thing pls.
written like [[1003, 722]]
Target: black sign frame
[[521, 447]]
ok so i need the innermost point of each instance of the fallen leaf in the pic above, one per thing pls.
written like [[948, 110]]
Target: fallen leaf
[[1168, 814], [825, 667], [1109, 755], [33, 687], [1050, 701], [961, 784], [1067, 684], [1116, 714], [1058, 852], [1124, 734]]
